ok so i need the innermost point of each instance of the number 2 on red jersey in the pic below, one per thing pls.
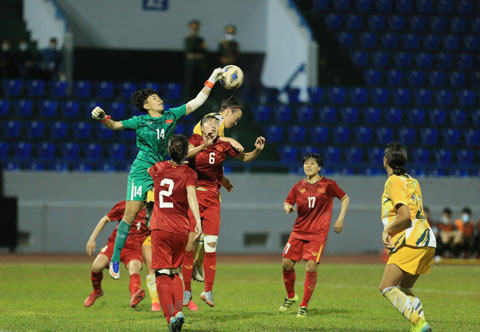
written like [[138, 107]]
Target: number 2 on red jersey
[[166, 193]]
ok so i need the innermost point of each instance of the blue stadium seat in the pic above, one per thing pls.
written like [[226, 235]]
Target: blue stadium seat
[[293, 95], [117, 151], [457, 79], [273, 133], [126, 89], [429, 136], [334, 21], [372, 115], [58, 89], [458, 24], [82, 89], [33, 166], [443, 156], [375, 155], [383, 6], [475, 24], [173, 91], [444, 98], [23, 108], [397, 23], [129, 135], [12, 87], [451, 42], [261, 113], [411, 42], [22, 150], [394, 77], [384, 135], [282, 113], [288, 154], [305, 114], [373, 77], [451, 136], [70, 109], [150, 85], [354, 155], [117, 110], [91, 104], [404, 6], [58, 130], [328, 114], [321, 5], [297, 134], [270, 95], [423, 97], [424, 61], [82, 167], [444, 61], [133, 150], [390, 41], [337, 95], [445, 6], [380, 96], [381, 59], [358, 95], [403, 60], [315, 94], [341, 5], [420, 155], [458, 117], [472, 43], [47, 108], [35, 129], [363, 6], [416, 78], [368, 40], [376, 22], [475, 114], [46, 150], [394, 116], [417, 23], [319, 134], [359, 58], [437, 117], [431, 42], [438, 24], [407, 136], [4, 148], [354, 21], [416, 117], [35, 88], [465, 7], [472, 137], [424, 6], [363, 135], [69, 150], [93, 150], [465, 156], [104, 89], [402, 97], [437, 79], [4, 107], [332, 155], [304, 150], [466, 98], [12, 129], [346, 39], [465, 61], [341, 135], [82, 130], [349, 115]]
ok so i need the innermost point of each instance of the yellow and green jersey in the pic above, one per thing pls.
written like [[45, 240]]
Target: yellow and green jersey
[[403, 189], [221, 129]]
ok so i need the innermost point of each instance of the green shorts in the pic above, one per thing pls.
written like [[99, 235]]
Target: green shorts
[[139, 181]]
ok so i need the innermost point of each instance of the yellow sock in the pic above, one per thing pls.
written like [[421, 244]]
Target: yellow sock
[[409, 306], [152, 288]]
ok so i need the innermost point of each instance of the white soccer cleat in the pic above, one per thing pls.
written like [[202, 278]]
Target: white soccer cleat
[[207, 297], [114, 269]]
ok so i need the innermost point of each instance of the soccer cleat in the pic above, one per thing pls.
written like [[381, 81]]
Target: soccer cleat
[[90, 300], [114, 269], [187, 297], [198, 273], [137, 298], [179, 320], [422, 326], [302, 312], [207, 297], [192, 306], [287, 303], [156, 306], [172, 324]]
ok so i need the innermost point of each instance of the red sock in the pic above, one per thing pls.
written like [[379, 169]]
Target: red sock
[[289, 280], [96, 281], [135, 283], [187, 270], [309, 287], [165, 294], [177, 293], [210, 267]]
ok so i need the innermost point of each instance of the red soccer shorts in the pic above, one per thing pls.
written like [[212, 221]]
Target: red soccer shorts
[[168, 249], [126, 255], [297, 249], [209, 206]]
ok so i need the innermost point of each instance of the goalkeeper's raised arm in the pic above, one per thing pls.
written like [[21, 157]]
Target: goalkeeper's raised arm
[[202, 96]]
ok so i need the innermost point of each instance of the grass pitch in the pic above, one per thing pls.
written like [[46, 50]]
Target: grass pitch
[[49, 297]]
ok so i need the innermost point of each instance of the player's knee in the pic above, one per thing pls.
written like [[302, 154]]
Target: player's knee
[[288, 264], [210, 243], [311, 266]]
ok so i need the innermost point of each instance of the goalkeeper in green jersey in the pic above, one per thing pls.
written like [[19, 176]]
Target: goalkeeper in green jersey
[[153, 131]]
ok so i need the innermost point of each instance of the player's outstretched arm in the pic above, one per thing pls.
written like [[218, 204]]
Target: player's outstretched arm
[[193, 204], [202, 96], [194, 150], [233, 142], [91, 245], [338, 225], [99, 114], [227, 184], [249, 156]]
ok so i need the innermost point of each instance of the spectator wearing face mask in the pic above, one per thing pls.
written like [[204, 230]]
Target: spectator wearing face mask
[[466, 226], [51, 61], [24, 60], [6, 60], [450, 236], [229, 48]]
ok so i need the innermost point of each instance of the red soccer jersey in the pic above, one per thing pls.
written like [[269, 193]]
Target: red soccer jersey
[[170, 212], [138, 231], [208, 162], [314, 207]]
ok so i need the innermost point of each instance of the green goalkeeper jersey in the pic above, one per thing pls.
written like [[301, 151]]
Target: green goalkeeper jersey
[[153, 134]]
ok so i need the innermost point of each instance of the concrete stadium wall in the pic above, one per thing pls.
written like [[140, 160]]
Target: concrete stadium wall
[[58, 211]]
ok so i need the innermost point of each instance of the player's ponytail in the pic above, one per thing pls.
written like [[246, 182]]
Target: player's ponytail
[[396, 156], [178, 148]]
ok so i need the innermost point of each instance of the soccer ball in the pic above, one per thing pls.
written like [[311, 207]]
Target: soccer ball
[[232, 77]]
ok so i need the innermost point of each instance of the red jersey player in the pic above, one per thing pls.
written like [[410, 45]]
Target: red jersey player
[[131, 254], [174, 187], [314, 198], [209, 168]]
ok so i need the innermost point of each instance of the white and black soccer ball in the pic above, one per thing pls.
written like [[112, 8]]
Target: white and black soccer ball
[[232, 77]]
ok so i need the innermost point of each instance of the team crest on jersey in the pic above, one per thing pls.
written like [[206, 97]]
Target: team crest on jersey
[[321, 190], [302, 190]]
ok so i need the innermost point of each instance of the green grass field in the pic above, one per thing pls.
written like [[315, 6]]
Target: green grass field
[[49, 297]]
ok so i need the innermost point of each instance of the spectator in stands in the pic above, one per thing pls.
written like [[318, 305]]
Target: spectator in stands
[[6, 60], [25, 61], [195, 60], [51, 61], [476, 246], [450, 236], [229, 48], [466, 226]]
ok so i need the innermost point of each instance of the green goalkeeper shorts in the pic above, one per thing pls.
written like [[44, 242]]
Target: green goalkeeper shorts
[[139, 181]]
